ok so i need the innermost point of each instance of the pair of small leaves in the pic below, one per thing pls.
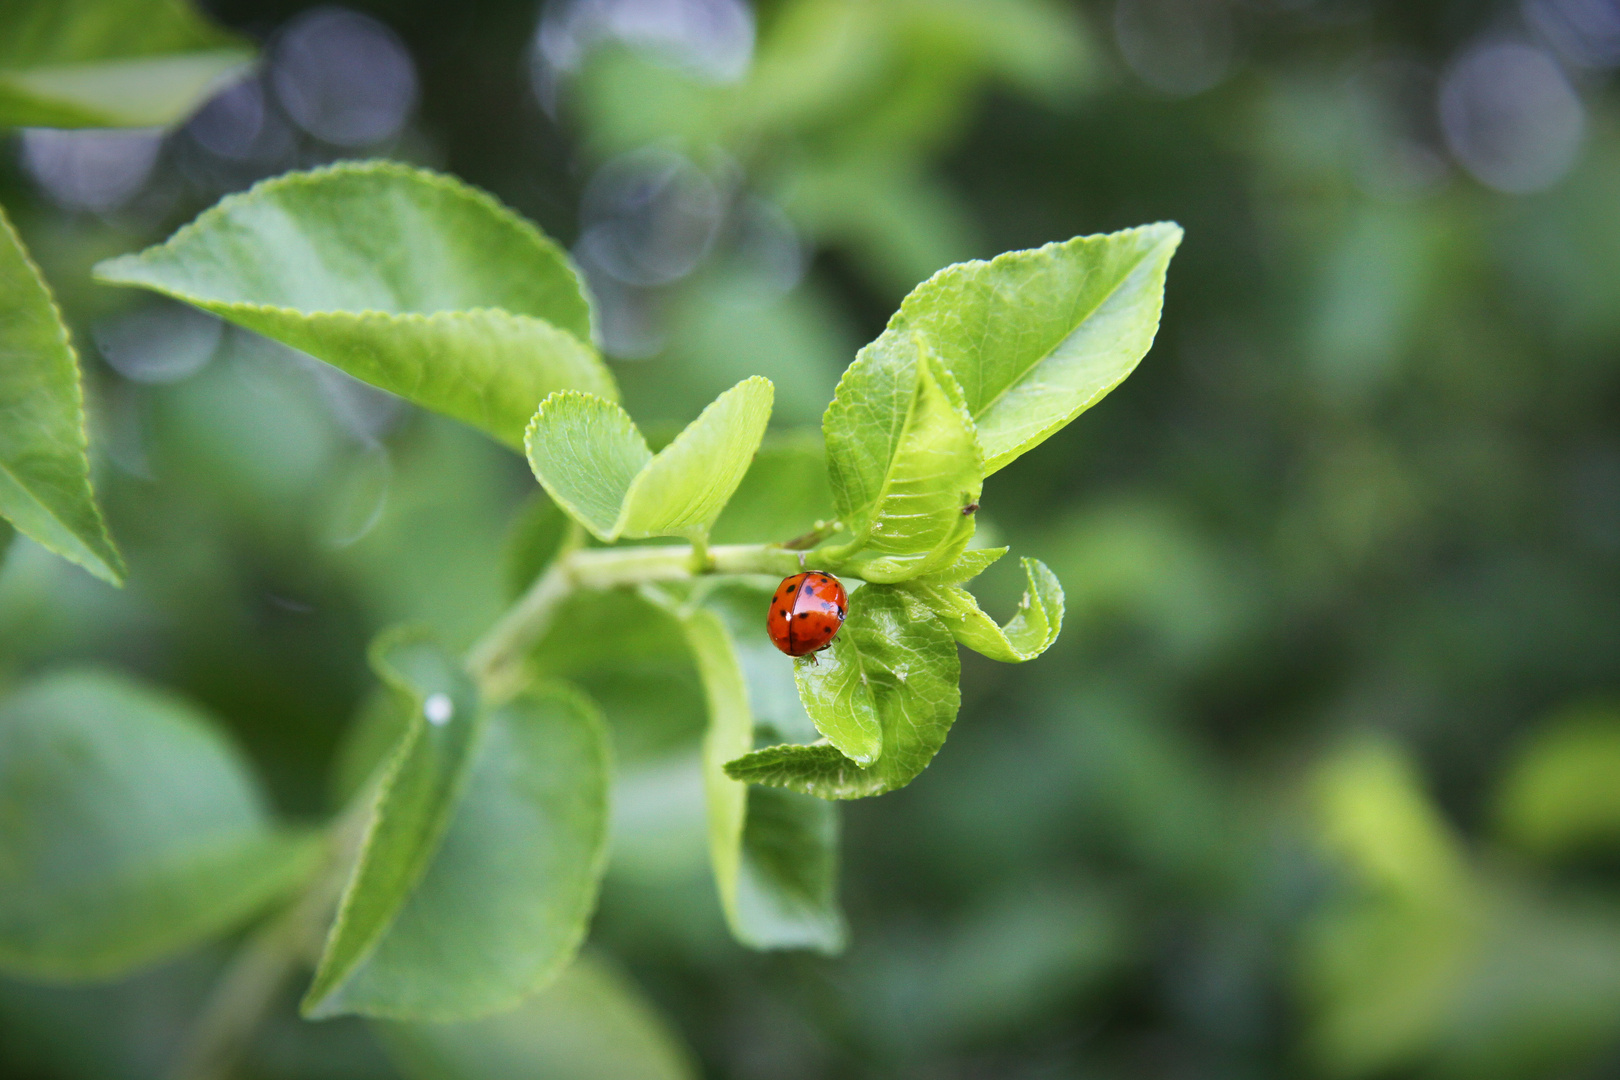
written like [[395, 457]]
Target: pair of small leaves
[[109, 63], [591, 459], [983, 362], [774, 853], [403, 278], [130, 830], [481, 865]]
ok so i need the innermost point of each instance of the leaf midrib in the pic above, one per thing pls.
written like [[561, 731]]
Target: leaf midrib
[[888, 471]]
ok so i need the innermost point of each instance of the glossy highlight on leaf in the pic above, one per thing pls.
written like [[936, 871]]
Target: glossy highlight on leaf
[[109, 63], [414, 805], [130, 830], [1027, 634], [903, 460], [591, 459], [404, 278], [502, 900], [1034, 338], [908, 677], [44, 464]]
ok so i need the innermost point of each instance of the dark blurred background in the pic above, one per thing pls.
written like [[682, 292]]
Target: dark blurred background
[[1323, 776]]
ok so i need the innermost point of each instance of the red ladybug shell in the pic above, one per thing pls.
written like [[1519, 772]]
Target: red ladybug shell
[[806, 611]]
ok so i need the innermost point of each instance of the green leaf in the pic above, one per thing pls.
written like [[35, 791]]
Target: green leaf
[[477, 881], [837, 693], [903, 461], [129, 830], [910, 667], [109, 63], [774, 853], [1559, 798], [1037, 337], [1027, 634], [592, 460], [44, 467], [407, 279], [415, 803], [968, 565], [592, 1023]]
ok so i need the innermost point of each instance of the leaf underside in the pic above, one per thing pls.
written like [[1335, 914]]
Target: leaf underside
[[404, 278], [90, 63], [774, 853]]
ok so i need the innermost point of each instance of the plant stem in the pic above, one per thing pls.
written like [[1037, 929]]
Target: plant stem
[[247, 989], [496, 661]]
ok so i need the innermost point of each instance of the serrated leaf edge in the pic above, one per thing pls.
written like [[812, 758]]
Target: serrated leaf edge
[[112, 571]]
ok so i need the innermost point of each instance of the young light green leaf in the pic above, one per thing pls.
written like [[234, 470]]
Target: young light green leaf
[[108, 63], [44, 467], [774, 853], [586, 452], [1036, 337], [1558, 797], [903, 461], [592, 1023], [1027, 634], [131, 830], [503, 900], [839, 696], [407, 279], [911, 669], [968, 565], [592, 460]]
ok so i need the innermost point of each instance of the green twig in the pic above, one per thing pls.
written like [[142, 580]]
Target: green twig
[[271, 955], [496, 661]]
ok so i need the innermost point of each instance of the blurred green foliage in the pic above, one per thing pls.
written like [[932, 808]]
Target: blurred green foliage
[[1321, 778]]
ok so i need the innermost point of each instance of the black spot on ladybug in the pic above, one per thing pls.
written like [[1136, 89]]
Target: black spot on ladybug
[[969, 508], [804, 614]]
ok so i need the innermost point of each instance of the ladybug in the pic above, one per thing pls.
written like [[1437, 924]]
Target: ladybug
[[806, 611]]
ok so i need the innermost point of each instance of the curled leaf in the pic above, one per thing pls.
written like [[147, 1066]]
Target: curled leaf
[[1027, 634], [903, 460], [906, 674]]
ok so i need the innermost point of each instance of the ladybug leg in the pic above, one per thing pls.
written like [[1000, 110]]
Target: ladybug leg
[[812, 658]]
